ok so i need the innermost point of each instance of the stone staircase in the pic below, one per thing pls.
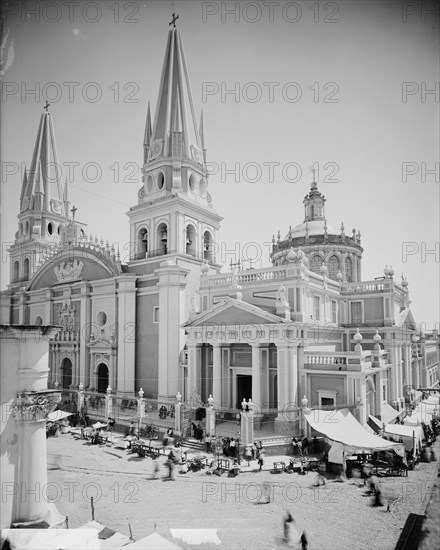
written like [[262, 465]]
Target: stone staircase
[[193, 445]]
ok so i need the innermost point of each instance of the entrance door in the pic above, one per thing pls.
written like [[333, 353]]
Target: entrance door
[[244, 388], [67, 373], [102, 378]]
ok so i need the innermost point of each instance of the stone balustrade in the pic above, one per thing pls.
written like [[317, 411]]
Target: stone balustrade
[[365, 287], [343, 361]]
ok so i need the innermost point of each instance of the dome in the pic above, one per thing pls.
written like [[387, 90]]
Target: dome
[[315, 227]]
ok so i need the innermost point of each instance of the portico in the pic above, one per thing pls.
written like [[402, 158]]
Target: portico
[[255, 359]]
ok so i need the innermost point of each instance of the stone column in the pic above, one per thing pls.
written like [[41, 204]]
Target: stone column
[[178, 414], [256, 375], [84, 356], [30, 409], [192, 382], [394, 375], [400, 375], [408, 364], [361, 400], [172, 284], [217, 374]]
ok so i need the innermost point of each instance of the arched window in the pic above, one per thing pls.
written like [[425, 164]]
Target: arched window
[[316, 263], [190, 240], [348, 269], [333, 267], [26, 269], [208, 247], [162, 239], [16, 270], [142, 243]]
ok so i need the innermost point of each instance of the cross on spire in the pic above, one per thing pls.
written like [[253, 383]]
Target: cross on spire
[[175, 18], [73, 210], [46, 107]]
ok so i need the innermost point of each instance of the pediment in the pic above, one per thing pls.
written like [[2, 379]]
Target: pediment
[[408, 320], [234, 312]]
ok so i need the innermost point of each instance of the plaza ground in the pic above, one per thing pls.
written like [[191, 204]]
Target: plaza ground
[[336, 516]]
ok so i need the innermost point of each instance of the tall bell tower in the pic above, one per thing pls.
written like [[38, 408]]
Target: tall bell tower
[[174, 215], [44, 205]]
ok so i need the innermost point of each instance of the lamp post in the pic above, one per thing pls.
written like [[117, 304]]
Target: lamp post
[[140, 410]]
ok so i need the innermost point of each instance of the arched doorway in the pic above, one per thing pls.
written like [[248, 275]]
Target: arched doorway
[[102, 378], [67, 373]]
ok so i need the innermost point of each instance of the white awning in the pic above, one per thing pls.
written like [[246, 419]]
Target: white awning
[[342, 426], [58, 415], [408, 434], [389, 413]]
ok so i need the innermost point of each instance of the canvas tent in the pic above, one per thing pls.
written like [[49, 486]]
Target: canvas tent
[[153, 542], [341, 426], [389, 413], [408, 434], [423, 413]]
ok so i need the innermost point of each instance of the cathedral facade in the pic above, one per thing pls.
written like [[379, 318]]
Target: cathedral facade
[[169, 321]]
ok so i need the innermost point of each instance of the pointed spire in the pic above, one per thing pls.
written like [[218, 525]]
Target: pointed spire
[[66, 198], [202, 131], [23, 188], [175, 95], [44, 175], [147, 134], [176, 126]]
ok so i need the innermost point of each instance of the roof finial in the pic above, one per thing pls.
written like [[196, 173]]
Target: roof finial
[[175, 18], [46, 107], [313, 170]]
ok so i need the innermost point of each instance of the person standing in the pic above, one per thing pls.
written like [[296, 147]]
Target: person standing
[[156, 468], [305, 446], [295, 446], [261, 459]]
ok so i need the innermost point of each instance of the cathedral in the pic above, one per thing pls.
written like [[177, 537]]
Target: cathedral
[[168, 321]]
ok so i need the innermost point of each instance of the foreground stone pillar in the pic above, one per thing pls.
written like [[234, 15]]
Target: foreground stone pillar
[[34, 402]]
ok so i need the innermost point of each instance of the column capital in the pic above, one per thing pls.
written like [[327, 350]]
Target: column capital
[[35, 406]]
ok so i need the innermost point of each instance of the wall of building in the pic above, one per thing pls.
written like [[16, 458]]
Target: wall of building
[[147, 340]]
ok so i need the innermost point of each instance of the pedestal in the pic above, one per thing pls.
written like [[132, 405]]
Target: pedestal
[[247, 428], [210, 420]]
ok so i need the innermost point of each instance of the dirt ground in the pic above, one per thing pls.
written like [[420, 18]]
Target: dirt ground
[[336, 516]]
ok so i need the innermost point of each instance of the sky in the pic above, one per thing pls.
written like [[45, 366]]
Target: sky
[[349, 87]]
